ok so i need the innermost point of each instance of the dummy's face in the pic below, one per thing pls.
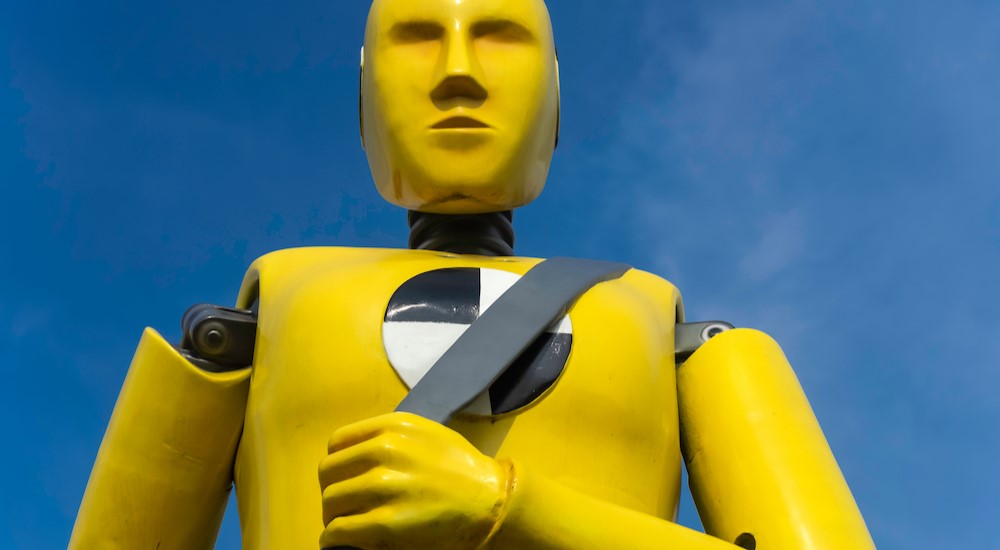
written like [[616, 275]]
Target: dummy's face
[[460, 102]]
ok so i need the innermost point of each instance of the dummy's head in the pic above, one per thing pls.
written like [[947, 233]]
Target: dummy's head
[[460, 102]]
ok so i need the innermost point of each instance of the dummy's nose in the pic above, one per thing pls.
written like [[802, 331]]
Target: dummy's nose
[[459, 75]]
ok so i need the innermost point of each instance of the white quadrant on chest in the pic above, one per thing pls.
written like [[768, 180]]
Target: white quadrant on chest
[[495, 282], [413, 348]]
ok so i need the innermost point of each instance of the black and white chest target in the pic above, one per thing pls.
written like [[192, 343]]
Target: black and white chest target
[[428, 313]]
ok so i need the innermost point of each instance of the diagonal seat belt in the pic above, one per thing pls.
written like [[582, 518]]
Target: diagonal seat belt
[[501, 333]]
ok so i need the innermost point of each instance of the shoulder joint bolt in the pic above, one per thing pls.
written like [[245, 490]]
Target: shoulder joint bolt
[[218, 339], [688, 337]]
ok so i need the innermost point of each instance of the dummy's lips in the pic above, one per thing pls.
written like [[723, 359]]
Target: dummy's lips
[[459, 123]]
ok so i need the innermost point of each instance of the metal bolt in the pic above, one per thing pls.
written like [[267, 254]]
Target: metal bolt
[[712, 330], [214, 338]]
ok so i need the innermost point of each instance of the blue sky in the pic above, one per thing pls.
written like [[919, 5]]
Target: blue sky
[[826, 171]]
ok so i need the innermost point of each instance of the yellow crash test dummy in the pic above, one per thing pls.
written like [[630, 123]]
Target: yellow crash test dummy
[[579, 445]]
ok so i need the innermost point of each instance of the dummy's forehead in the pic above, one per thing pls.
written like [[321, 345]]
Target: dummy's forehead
[[531, 14]]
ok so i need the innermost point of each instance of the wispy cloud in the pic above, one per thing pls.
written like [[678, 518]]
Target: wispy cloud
[[782, 241], [821, 171], [28, 319]]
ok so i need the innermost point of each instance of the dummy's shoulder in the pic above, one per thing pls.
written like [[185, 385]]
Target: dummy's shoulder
[[279, 267], [644, 279], [655, 288]]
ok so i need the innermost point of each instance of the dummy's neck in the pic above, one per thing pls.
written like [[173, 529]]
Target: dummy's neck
[[483, 234]]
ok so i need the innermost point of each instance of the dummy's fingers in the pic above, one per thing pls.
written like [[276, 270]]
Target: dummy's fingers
[[363, 531], [361, 495], [361, 458], [367, 429]]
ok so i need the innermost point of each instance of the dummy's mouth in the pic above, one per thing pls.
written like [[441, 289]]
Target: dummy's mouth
[[458, 123]]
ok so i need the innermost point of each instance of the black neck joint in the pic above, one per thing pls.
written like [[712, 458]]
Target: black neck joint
[[490, 234]]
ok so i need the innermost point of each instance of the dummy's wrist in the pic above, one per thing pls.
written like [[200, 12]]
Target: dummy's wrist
[[502, 508]]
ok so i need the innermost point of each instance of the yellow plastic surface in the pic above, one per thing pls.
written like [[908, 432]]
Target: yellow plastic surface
[[757, 458], [594, 463], [460, 102], [606, 429], [402, 482], [405, 474], [544, 515], [164, 470]]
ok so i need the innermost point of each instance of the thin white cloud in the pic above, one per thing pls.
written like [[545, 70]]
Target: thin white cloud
[[707, 131], [782, 241], [28, 319]]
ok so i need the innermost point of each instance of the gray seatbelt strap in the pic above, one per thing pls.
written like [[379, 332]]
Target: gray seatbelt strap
[[501, 333]]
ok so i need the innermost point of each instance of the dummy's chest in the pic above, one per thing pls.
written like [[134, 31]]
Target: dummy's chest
[[347, 343], [338, 339], [340, 332], [397, 318]]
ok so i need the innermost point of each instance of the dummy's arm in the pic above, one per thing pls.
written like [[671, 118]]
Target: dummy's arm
[[761, 470], [544, 515], [401, 481], [164, 470]]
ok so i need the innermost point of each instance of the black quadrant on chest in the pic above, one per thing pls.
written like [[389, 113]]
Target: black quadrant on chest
[[532, 373], [441, 296]]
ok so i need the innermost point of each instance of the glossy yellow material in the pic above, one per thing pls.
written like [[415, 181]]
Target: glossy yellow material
[[758, 461], [460, 102], [593, 463], [545, 515], [400, 482], [164, 471], [402, 473], [606, 429]]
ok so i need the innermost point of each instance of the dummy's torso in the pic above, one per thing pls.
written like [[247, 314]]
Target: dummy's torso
[[607, 427]]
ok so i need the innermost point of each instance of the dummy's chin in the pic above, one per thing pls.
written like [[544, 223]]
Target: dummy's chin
[[442, 181], [469, 198], [468, 195], [459, 204]]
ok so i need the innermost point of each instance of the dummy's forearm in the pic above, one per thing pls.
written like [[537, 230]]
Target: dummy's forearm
[[761, 470], [164, 470], [545, 515]]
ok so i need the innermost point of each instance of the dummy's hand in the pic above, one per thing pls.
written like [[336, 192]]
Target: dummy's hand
[[401, 481]]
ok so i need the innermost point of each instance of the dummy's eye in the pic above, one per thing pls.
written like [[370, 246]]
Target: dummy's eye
[[416, 31], [502, 30]]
